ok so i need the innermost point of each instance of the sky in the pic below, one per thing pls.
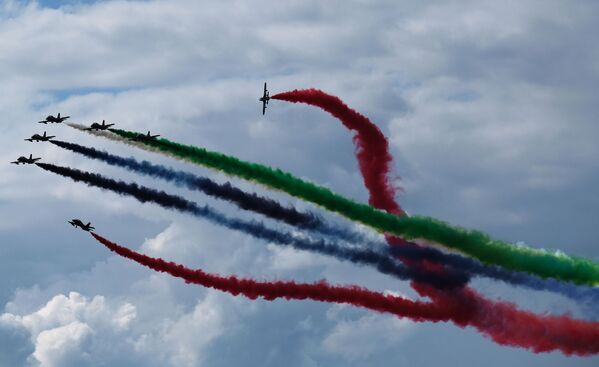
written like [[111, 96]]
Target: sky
[[490, 109]]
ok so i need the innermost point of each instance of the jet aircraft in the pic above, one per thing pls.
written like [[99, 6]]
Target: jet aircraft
[[25, 160], [264, 99], [38, 137], [142, 137], [51, 119], [97, 126], [78, 223]]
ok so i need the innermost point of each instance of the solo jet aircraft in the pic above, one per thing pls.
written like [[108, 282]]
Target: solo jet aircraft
[[51, 119], [96, 126], [142, 137], [264, 99], [78, 223], [25, 160], [38, 137]]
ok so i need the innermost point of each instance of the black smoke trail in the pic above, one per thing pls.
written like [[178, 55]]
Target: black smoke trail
[[383, 264]]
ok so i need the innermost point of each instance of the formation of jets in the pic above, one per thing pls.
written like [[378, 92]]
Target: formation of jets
[[142, 137], [53, 120], [100, 126], [45, 137], [96, 126], [78, 223], [25, 160], [38, 137]]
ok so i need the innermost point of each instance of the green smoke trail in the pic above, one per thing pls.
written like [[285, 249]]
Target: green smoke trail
[[474, 243]]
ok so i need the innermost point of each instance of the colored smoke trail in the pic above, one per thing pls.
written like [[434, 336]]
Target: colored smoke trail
[[320, 291], [383, 264], [474, 243], [506, 325], [476, 268], [523, 329], [372, 147]]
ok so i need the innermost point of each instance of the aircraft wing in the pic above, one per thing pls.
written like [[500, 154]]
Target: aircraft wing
[[263, 108]]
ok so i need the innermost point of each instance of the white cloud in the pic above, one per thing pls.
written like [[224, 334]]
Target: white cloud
[[366, 336], [70, 330], [62, 310], [183, 341], [60, 346], [148, 318], [286, 258], [61, 327]]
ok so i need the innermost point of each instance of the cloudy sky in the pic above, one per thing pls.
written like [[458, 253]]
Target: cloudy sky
[[490, 107]]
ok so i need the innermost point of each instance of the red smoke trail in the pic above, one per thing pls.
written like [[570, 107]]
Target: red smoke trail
[[320, 291], [524, 329], [507, 325], [371, 145], [503, 322], [372, 151]]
